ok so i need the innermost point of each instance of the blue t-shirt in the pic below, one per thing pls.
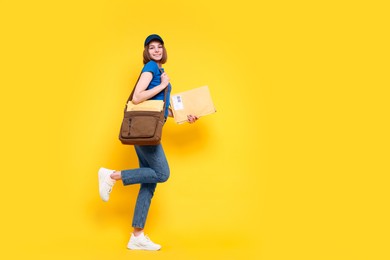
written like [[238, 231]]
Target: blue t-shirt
[[152, 67]]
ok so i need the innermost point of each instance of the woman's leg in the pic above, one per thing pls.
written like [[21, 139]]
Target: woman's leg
[[142, 206], [149, 158], [153, 158], [154, 167]]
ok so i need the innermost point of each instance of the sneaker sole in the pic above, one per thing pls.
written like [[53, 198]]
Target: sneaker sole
[[132, 247], [101, 175]]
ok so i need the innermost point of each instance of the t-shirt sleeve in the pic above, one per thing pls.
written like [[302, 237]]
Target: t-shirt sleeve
[[152, 67]]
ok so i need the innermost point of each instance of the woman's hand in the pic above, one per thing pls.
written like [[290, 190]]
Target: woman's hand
[[164, 79], [192, 119]]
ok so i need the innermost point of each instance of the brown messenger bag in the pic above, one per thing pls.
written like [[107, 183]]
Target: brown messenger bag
[[142, 127]]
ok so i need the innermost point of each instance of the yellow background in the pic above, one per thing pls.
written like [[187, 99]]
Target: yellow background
[[294, 165]]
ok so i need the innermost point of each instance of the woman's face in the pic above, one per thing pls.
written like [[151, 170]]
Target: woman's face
[[155, 50]]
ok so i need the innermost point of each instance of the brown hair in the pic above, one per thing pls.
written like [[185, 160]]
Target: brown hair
[[147, 56]]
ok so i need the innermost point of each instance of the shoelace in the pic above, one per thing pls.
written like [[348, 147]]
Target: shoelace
[[148, 241]]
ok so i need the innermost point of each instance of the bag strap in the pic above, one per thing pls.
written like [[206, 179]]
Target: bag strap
[[132, 93]]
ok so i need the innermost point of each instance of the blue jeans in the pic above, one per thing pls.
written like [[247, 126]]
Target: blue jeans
[[153, 169]]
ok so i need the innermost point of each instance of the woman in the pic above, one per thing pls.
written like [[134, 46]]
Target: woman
[[152, 161]]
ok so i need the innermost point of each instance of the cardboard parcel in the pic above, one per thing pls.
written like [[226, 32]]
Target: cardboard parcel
[[195, 102]]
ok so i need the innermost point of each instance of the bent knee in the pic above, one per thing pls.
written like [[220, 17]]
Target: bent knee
[[164, 176]]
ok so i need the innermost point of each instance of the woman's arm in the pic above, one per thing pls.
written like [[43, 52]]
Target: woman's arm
[[140, 92]]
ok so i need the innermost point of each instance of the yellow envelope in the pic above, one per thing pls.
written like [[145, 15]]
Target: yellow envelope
[[195, 102], [148, 105]]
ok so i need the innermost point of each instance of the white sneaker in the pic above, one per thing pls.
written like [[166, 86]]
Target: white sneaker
[[142, 242], [105, 183]]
